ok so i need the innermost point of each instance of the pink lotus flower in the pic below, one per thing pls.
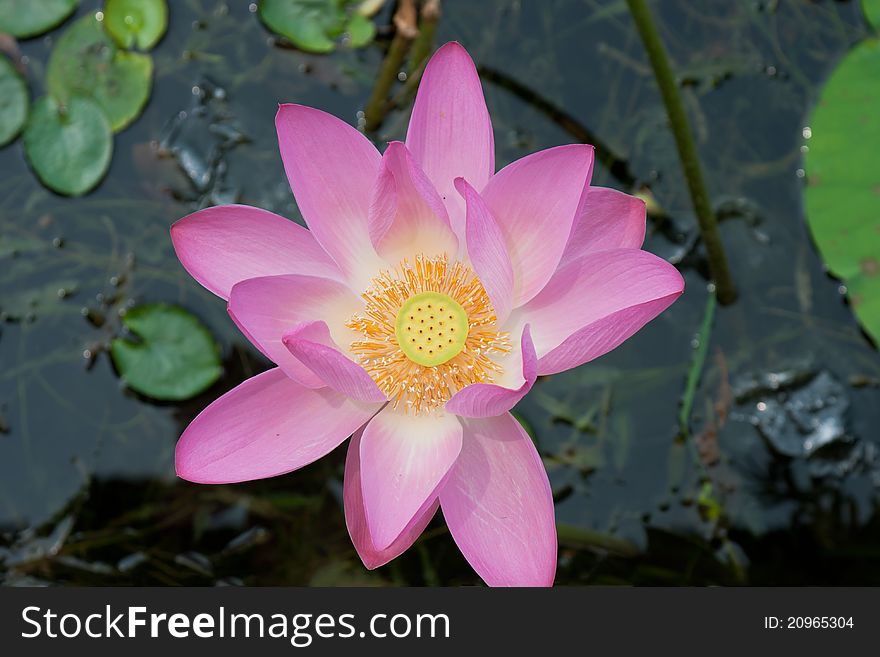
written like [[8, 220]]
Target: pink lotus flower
[[426, 297]]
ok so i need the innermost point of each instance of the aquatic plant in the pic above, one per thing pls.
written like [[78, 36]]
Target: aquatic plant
[[421, 305]]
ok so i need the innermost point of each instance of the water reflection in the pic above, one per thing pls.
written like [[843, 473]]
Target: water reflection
[[783, 493]]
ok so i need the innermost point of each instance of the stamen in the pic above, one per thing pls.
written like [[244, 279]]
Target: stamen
[[428, 331]]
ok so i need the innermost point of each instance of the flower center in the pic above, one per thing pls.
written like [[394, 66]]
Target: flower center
[[431, 328], [427, 330]]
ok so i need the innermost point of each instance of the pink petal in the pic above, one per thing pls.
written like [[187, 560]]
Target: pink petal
[[535, 201], [489, 399], [406, 214], [266, 308], [487, 251], [608, 220], [267, 426], [498, 505], [331, 168], [450, 132], [597, 301], [223, 245], [602, 336], [311, 345], [356, 521], [404, 458]]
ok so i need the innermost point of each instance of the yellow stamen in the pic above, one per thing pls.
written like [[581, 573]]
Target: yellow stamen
[[397, 307]]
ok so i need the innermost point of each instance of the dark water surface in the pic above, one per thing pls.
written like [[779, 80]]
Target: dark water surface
[[773, 479]]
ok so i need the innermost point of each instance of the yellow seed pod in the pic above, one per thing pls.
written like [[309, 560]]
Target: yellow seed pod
[[431, 328]]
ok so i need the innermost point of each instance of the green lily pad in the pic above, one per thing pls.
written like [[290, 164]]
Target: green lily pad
[[27, 18], [872, 12], [842, 196], [13, 102], [361, 30], [86, 62], [136, 22], [175, 358], [68, 147], [314, 25]]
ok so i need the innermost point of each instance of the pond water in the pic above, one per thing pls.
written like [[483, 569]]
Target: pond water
[[772, 477]]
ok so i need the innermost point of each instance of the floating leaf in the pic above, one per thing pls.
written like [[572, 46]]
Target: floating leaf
[[136, 22], [313, 25], [305, 23], [361, 30], [70, 147], [176, 357], [28, 18], [843, 179], [872, 12], [86, 62], [13, 101]]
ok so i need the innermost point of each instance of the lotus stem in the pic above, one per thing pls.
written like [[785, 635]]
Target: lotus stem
[[404, 34], [423, 45], [420, 51], [687, 150]]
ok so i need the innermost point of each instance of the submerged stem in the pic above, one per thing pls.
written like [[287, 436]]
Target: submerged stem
[[696, 370], [616, 165], [687, 150]]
